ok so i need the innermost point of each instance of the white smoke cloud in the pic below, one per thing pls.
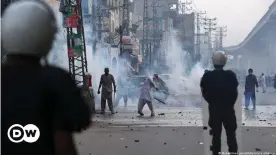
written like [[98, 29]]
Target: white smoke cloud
[[178, 61]]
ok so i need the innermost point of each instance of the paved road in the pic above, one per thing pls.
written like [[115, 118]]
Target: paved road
[[176, 129], [107, 140], [263, 116], [268, 98]]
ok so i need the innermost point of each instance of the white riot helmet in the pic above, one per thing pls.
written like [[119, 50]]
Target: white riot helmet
[[219, 58], [28, 28]]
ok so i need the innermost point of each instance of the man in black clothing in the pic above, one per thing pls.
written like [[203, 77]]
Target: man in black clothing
[[219, 89], [37, 94], [250, 83]]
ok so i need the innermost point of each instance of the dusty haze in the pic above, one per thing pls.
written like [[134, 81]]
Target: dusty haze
[[240, 16]]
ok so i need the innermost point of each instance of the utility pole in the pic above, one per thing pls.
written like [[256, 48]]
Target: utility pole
[[222, 33], [99, 21], [72, 14], [126, 17], [184, 6], [157, 35], [210, 26], [198, 32], [124, 27], [145, 44], [94, 25], [184, 37]]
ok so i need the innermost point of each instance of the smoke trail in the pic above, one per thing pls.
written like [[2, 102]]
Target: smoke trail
[[179, 62]]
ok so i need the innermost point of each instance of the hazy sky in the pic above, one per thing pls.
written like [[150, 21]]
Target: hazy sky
[[240, 16]]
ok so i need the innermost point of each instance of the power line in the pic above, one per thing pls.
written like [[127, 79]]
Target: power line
[[222, 32], [210, 26], [199, 18]]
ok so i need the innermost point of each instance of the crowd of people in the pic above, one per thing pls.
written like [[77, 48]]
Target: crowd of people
[[108, 88]]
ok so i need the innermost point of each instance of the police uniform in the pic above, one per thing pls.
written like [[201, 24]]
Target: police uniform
[[43, 95], [219, 89]]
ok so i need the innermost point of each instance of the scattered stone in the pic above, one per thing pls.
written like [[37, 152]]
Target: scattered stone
[[243, 124], [156, 133], [247, 129], [189, 122], [131, 129], [136, 141], [180, 112], [257, 149], [125, 146], [165, 143], [132, 118], [109, 123], [161, 114], [110, 135], [184, 133]]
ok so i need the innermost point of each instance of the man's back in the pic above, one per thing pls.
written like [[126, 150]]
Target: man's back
[[42, 96], [219, 87], [107, 81], [250, 83]]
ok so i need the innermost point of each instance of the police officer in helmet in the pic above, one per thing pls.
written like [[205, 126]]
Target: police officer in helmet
[[219, 89], [32, 93]]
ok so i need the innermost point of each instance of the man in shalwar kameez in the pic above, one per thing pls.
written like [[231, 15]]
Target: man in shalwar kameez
[[145, 96], [106, 83]]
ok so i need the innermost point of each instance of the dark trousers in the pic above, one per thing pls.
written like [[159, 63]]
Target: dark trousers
[[109, 102], [223, 116]]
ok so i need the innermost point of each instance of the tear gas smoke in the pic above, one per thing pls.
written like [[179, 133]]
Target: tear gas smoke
[[178, 61], [181, 81], [58, 55]]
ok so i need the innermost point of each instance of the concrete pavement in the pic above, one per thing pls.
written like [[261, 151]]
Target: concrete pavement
[[105, 140], [176, 129], [263, 116]]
